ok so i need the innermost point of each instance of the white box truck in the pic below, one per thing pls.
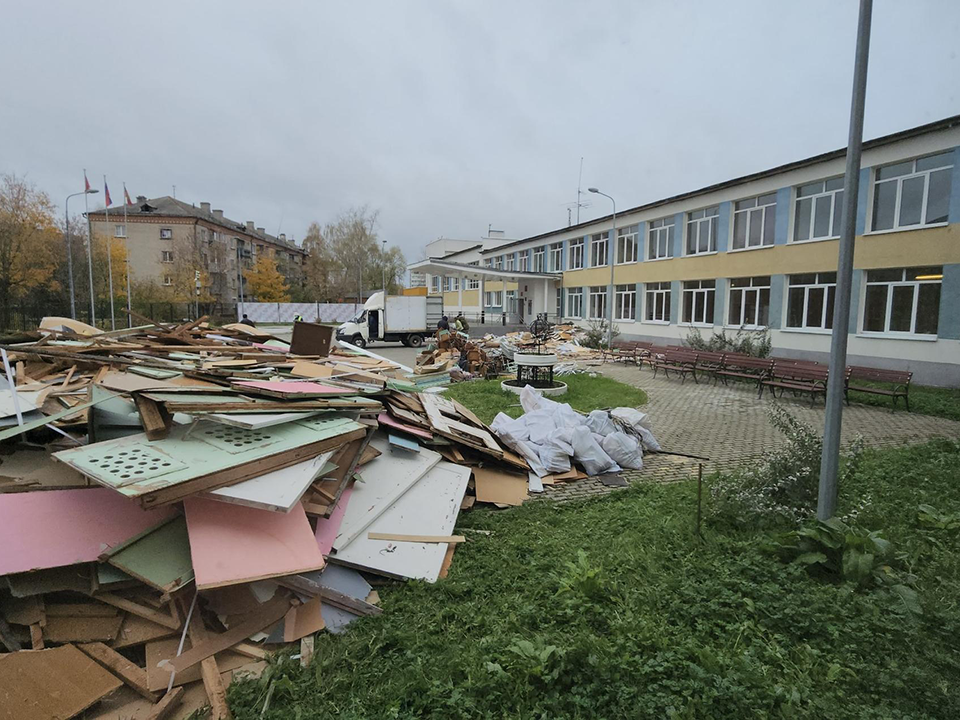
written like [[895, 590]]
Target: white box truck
[[395, 318]]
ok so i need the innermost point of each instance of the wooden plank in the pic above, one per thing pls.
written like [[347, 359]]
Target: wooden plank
[[81, 629], [79, 610], [302, 620], [398, 537], [22, 611], [154, 417], [265, 616], [210, 673], [164, 709], [147, 613], [307, 646], [159, 651], [231, 544], [136, 630], [160, 558], [306, 586], [28, 680], [447, 561], [133, 676], [329, 527], [36, 637], [496, 486]]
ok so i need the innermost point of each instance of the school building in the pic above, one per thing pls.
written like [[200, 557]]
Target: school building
[[756, 252]]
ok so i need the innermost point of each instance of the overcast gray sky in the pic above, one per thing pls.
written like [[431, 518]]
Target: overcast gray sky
[[448, 116]]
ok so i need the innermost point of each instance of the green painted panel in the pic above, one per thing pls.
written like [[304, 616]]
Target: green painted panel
[[160, 558]]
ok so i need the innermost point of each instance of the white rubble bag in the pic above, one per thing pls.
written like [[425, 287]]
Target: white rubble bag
[[588, 452], [513, 432], [639, 422], [624, 450], [600, 423]]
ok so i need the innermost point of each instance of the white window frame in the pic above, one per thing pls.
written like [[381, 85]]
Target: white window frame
[[748, 295], [524, 261], [498, 262], [166, 256], [575, 302], [119, 231], [891, 284], [599, 243], [627, 244], [556, 257], [435, 283], [822, 284], [899, 180], [834, 196], [539, 258], [493, 298], [575, 261], [511, 261], [166, 233], [657, 298], [473, 284], [488, 262], [748, 213], [705, 221], [660, 235], [168, 281], [454, 284], [625, 302], [690, 291], [598, 296]]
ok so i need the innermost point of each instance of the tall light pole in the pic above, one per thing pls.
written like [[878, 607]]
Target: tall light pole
[[383, 260], [612, 247], [66, 237], [86, 211], [830, 457]]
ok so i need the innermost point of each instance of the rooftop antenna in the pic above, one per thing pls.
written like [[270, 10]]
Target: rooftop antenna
[[174, 192], [579, 191]]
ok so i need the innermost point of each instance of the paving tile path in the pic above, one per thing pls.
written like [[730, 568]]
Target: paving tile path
[[729, 426]]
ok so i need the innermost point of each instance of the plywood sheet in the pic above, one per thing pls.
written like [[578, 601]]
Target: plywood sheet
[[430, 507], [278, 490], [280, 388], [350, 583], [136, 630], [66, 527], [158, 677], [231, 544], [161, 558], [328, 527], [391, 423], [384, 481], [496, 486], [27, 679]]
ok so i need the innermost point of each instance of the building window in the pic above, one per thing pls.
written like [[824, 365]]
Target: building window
[[538, 258], [598, 302], [627, 244], [524, 261], [905, 301], [657, 300], [168, 280], [698, 301], [598, 249], [576, 254], [556, 257], [120, 231], [435, 283], [166, 233], [511, 260], [660, 238], [451, 284], [473, 284], [575, 302], [625, 306], [810, 299], [166, 256], [912, 193], [817, 214], [498, 262], [493, 299], [749, 302], [702, 227], [559, 303], [488, 262], [753, 222]]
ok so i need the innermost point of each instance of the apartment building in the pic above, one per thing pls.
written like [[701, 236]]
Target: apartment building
[[168, 240], [760, 252]]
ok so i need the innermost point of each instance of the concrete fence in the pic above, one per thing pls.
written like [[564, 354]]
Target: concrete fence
[[263, 312]]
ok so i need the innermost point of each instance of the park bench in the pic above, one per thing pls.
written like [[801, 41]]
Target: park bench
[[621, 350], [683, 362], [644, 350], [742, 367], [798, 378], [709, 361], [897, 383]]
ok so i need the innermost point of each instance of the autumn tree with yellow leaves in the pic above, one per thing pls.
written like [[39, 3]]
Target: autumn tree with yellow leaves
[[266, 282]]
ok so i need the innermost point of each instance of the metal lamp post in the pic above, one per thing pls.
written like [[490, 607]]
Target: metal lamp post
[[612, 254], [383, 260], [66, 237]]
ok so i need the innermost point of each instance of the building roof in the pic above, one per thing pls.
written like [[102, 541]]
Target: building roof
[[438, 266], [167, 206], [944, 124]]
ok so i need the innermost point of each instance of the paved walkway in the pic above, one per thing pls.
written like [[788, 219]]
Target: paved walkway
[[730, 426]]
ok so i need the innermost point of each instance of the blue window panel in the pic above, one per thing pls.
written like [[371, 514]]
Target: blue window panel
[[949, 321], [776, 301], [783, 216], [723, 226]]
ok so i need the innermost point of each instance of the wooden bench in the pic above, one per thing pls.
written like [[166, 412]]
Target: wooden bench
[[683, 362], [621, 350], [644, 350], [898, 382], [709, 361], [798, 378], [742, 367]]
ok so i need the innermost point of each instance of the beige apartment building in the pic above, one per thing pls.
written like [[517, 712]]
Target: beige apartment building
[[169, 240]]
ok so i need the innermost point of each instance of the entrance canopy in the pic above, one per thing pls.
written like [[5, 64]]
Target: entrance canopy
[[439, 266]]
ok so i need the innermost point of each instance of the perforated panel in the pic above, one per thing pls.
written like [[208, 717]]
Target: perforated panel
[[127, 465], [235, 439], [323, 423]]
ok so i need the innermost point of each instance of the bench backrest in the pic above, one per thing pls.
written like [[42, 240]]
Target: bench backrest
[[898, 377], [707, 357], [679, 356], [793, 371], [746, 362]]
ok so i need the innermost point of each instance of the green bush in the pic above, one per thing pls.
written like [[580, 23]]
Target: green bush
[[756, 343], [596, 334]]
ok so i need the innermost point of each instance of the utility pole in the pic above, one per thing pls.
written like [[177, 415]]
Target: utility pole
[[86, 210], [830, 457]]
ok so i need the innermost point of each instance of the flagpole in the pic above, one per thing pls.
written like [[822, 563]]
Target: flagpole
[[126, 245], [106, 211], [86, 210]]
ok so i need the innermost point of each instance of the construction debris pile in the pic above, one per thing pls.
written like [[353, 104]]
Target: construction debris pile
[[178, 500]]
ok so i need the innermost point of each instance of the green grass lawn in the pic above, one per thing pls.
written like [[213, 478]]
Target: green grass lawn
[[612, 608], [924, 399], [584, 393]]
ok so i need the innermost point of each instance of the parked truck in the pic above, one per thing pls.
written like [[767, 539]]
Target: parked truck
[[393, 318]]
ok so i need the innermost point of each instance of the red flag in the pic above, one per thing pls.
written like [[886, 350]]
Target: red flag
[[126, 195], [86, 183], [106, 193]]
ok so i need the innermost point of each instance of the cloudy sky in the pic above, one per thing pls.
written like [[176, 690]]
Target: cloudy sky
[[449, 116]]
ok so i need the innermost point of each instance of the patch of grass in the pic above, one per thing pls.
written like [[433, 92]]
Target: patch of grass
[[584, 393], [613, 608], [924, 399]]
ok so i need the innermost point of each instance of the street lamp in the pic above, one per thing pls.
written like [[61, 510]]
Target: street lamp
[[383, 260], [66, 232], [613, 253]]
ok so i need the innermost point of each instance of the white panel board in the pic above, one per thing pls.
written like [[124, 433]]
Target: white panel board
[[255, 421], [278, 490]]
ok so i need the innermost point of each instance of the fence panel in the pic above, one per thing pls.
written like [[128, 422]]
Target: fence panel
[[285, 312]]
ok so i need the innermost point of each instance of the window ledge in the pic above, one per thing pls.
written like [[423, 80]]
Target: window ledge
[[703, 254], [655, 322], [906, 229], [625, 320], [896, 336], [807, 331], [696, 325], [668, 257], [631, 262], [749, 249], [813, 240], [747, 328]]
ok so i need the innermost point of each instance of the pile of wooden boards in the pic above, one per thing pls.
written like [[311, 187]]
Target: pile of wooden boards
[[176, 501]]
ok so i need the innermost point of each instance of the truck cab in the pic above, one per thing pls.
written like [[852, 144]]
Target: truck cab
[[393, 318]]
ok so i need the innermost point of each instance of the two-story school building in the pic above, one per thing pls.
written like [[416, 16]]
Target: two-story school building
[[760, 252]]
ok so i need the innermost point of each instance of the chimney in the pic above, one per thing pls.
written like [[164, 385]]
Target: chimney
[[261, 231], [205, 207], [218, 214], [141, 199], [250, 225], [283, 237]]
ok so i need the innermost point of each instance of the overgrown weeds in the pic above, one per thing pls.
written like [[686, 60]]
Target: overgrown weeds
[[756, 343]]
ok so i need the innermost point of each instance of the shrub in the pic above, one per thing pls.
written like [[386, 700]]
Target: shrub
[[782, 487], [746, 342], [596, 334]]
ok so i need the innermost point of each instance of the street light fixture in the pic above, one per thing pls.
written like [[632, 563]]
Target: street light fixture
[[66, 233], [612, 255], [383, 260]]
